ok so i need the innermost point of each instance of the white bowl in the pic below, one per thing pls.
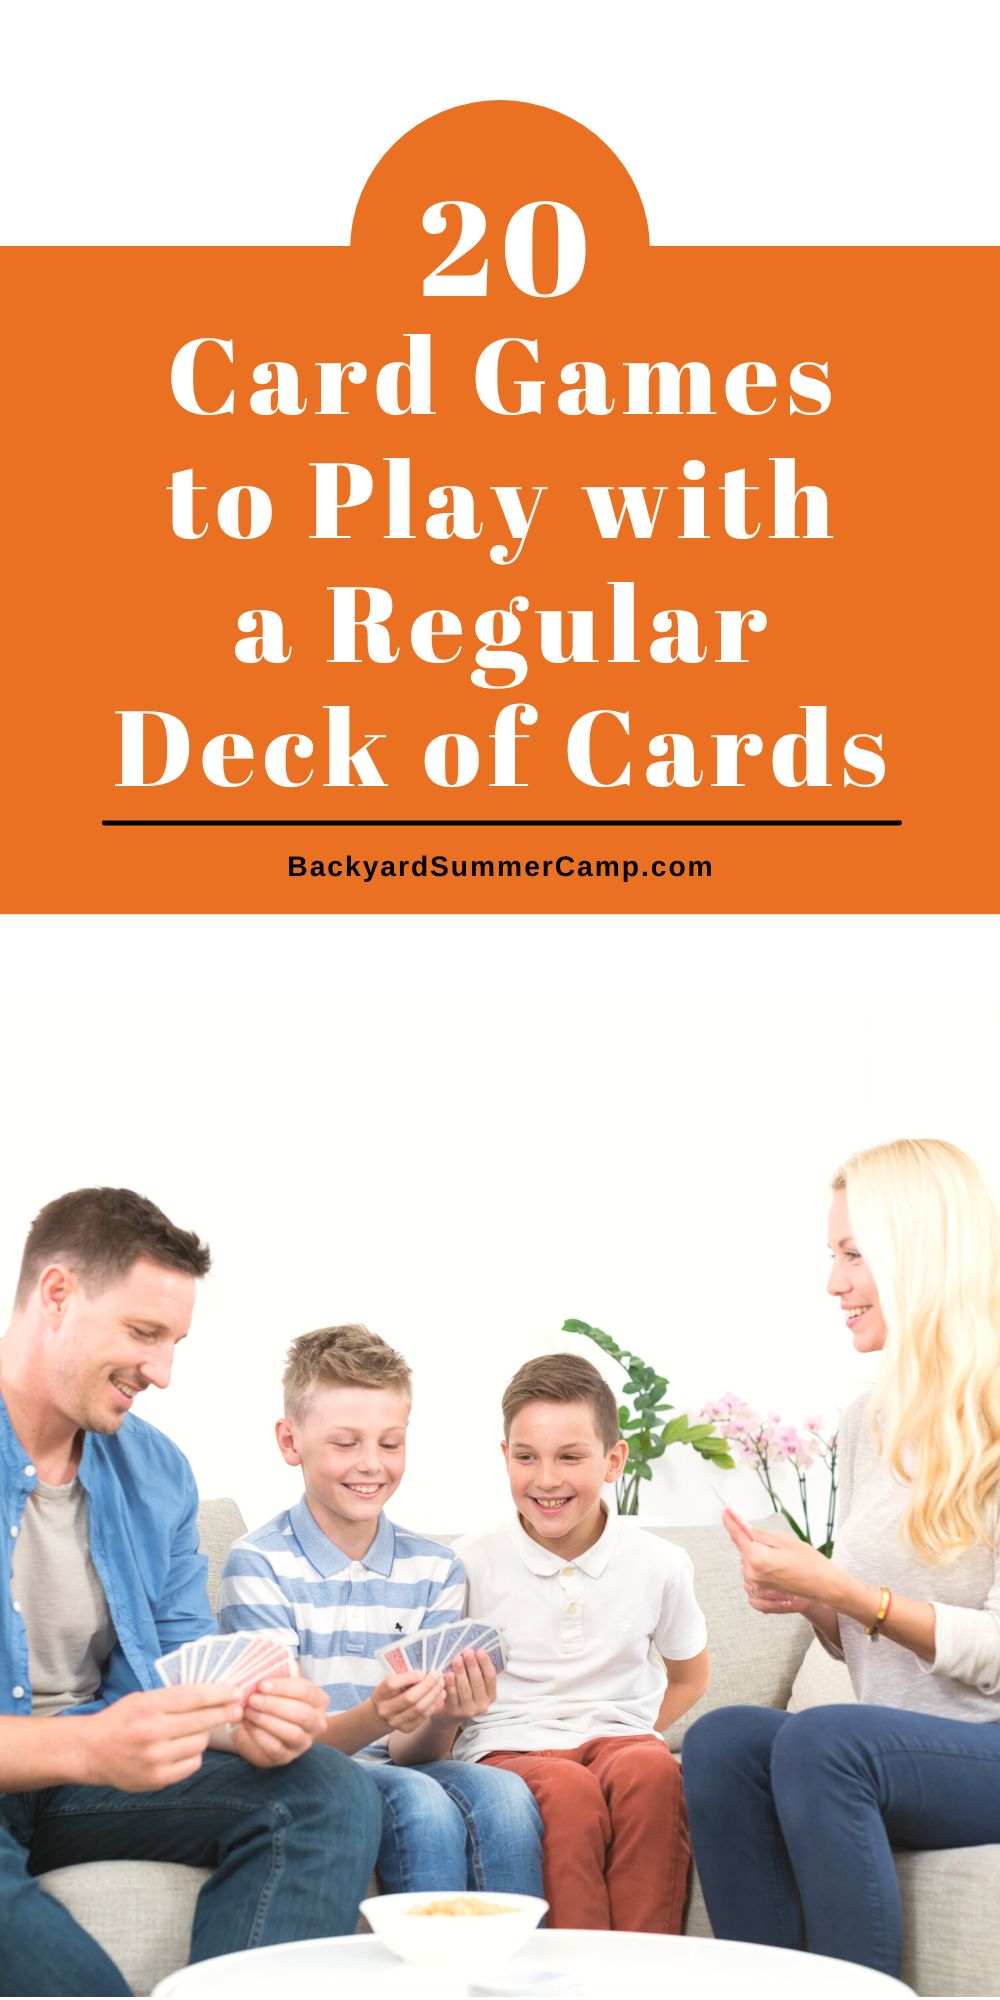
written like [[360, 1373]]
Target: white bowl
[[461, 1942]]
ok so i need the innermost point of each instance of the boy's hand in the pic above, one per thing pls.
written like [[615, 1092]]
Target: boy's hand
[[404, 1701], [470, 1686], [282, 1719]]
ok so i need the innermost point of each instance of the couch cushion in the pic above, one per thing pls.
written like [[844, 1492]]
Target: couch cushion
[[819, 1681], [220, 1523], [754, 1658], [140, 1911], [951, 1919]]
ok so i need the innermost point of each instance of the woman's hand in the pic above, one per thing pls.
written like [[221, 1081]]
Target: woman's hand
[[780, 1573]]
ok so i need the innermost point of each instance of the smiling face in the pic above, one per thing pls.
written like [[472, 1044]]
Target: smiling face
[[851, 1281], [558, 1466], [351, 1445], [102, 1350]]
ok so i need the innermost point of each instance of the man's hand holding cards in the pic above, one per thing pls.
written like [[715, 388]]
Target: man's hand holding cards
[[283, 1713]]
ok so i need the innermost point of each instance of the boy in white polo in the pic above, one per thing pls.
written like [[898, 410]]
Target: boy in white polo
[[607, 1647]]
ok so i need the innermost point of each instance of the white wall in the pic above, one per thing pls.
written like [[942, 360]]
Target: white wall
[[248, 121], [465, 1131]]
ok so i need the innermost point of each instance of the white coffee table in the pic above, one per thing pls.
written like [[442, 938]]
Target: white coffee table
[[593, 1962]]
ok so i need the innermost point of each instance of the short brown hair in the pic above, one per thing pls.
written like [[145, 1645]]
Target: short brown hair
[[100, 1232], [564, 1378], [350, 1356]]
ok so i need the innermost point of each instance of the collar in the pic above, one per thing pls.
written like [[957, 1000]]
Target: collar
[[8, 1439], [325, 1555], [14, 1456], [12, 1452], [542, 1562]]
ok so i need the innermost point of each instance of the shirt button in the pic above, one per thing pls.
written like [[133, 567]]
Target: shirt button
[[16, 1605], [17, 1692], [29, 1472], [567, 1572], [573, 1609], [13, 1531]]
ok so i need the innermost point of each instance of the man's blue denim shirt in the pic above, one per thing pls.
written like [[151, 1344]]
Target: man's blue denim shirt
[[142, 1513]]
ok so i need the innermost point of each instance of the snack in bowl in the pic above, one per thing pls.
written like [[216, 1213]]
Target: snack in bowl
[[452, 1932], [460, 1906]]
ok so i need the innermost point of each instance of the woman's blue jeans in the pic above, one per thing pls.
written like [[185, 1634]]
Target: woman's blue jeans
[[457, 1826], [794, 1817], [292, 1850]]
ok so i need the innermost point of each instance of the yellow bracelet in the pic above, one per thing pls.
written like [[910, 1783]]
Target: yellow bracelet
[[873, 1630]]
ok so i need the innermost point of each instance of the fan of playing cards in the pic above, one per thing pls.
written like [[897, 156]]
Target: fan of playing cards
[[431, 1651], [241, 1659]]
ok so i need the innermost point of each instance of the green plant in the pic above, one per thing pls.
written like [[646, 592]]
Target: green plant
[[643, 1425]]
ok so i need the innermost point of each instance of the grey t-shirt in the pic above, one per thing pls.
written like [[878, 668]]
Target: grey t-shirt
[[61, 1599], [963, 1680]]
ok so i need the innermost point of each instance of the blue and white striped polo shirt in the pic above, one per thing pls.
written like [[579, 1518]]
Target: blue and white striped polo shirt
[[290, 1578]]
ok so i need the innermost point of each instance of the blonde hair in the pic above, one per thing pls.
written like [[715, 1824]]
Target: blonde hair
[[928, 1228], [345, 1356]]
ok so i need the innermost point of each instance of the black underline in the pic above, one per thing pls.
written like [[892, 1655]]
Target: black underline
[[650, 824]]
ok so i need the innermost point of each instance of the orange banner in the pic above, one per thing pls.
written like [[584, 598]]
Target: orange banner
[[499, 561]]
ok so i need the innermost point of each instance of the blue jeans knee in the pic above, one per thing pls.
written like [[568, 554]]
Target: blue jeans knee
[[724, 1743], [502, 1823], [457, 1826], [423, 1833]]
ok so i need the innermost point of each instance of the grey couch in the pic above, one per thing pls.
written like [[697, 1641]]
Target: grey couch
[[142, 1911]]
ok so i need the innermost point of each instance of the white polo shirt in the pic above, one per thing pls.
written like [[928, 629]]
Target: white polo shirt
[[585, 1636]]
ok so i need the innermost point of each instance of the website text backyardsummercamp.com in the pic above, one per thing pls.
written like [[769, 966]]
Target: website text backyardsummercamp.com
[[365, 869]]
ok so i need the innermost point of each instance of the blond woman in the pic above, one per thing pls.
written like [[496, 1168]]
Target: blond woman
[[793, 1818]]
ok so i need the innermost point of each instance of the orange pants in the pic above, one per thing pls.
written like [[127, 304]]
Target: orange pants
[[615, 1850]]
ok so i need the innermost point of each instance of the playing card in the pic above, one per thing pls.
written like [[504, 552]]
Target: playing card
[[221, 1651], [432, 1651], [437, 1641], [224, 1646], [394, 1659], [264, 1658], [486, 1639], [169, 1669], [476, 1636], [415, 1652], [198, 1671], [452, 1640], [240, 1659], [496, 1650], [189, 1656], [470, 1636]]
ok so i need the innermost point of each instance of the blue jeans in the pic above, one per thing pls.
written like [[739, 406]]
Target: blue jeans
[[794, 1817], [292, 1851], [457, 1826]]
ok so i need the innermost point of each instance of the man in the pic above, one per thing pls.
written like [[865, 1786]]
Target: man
[[103, 1574]]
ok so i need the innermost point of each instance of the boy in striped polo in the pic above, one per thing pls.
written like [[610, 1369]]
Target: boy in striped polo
[[336, 1576]]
